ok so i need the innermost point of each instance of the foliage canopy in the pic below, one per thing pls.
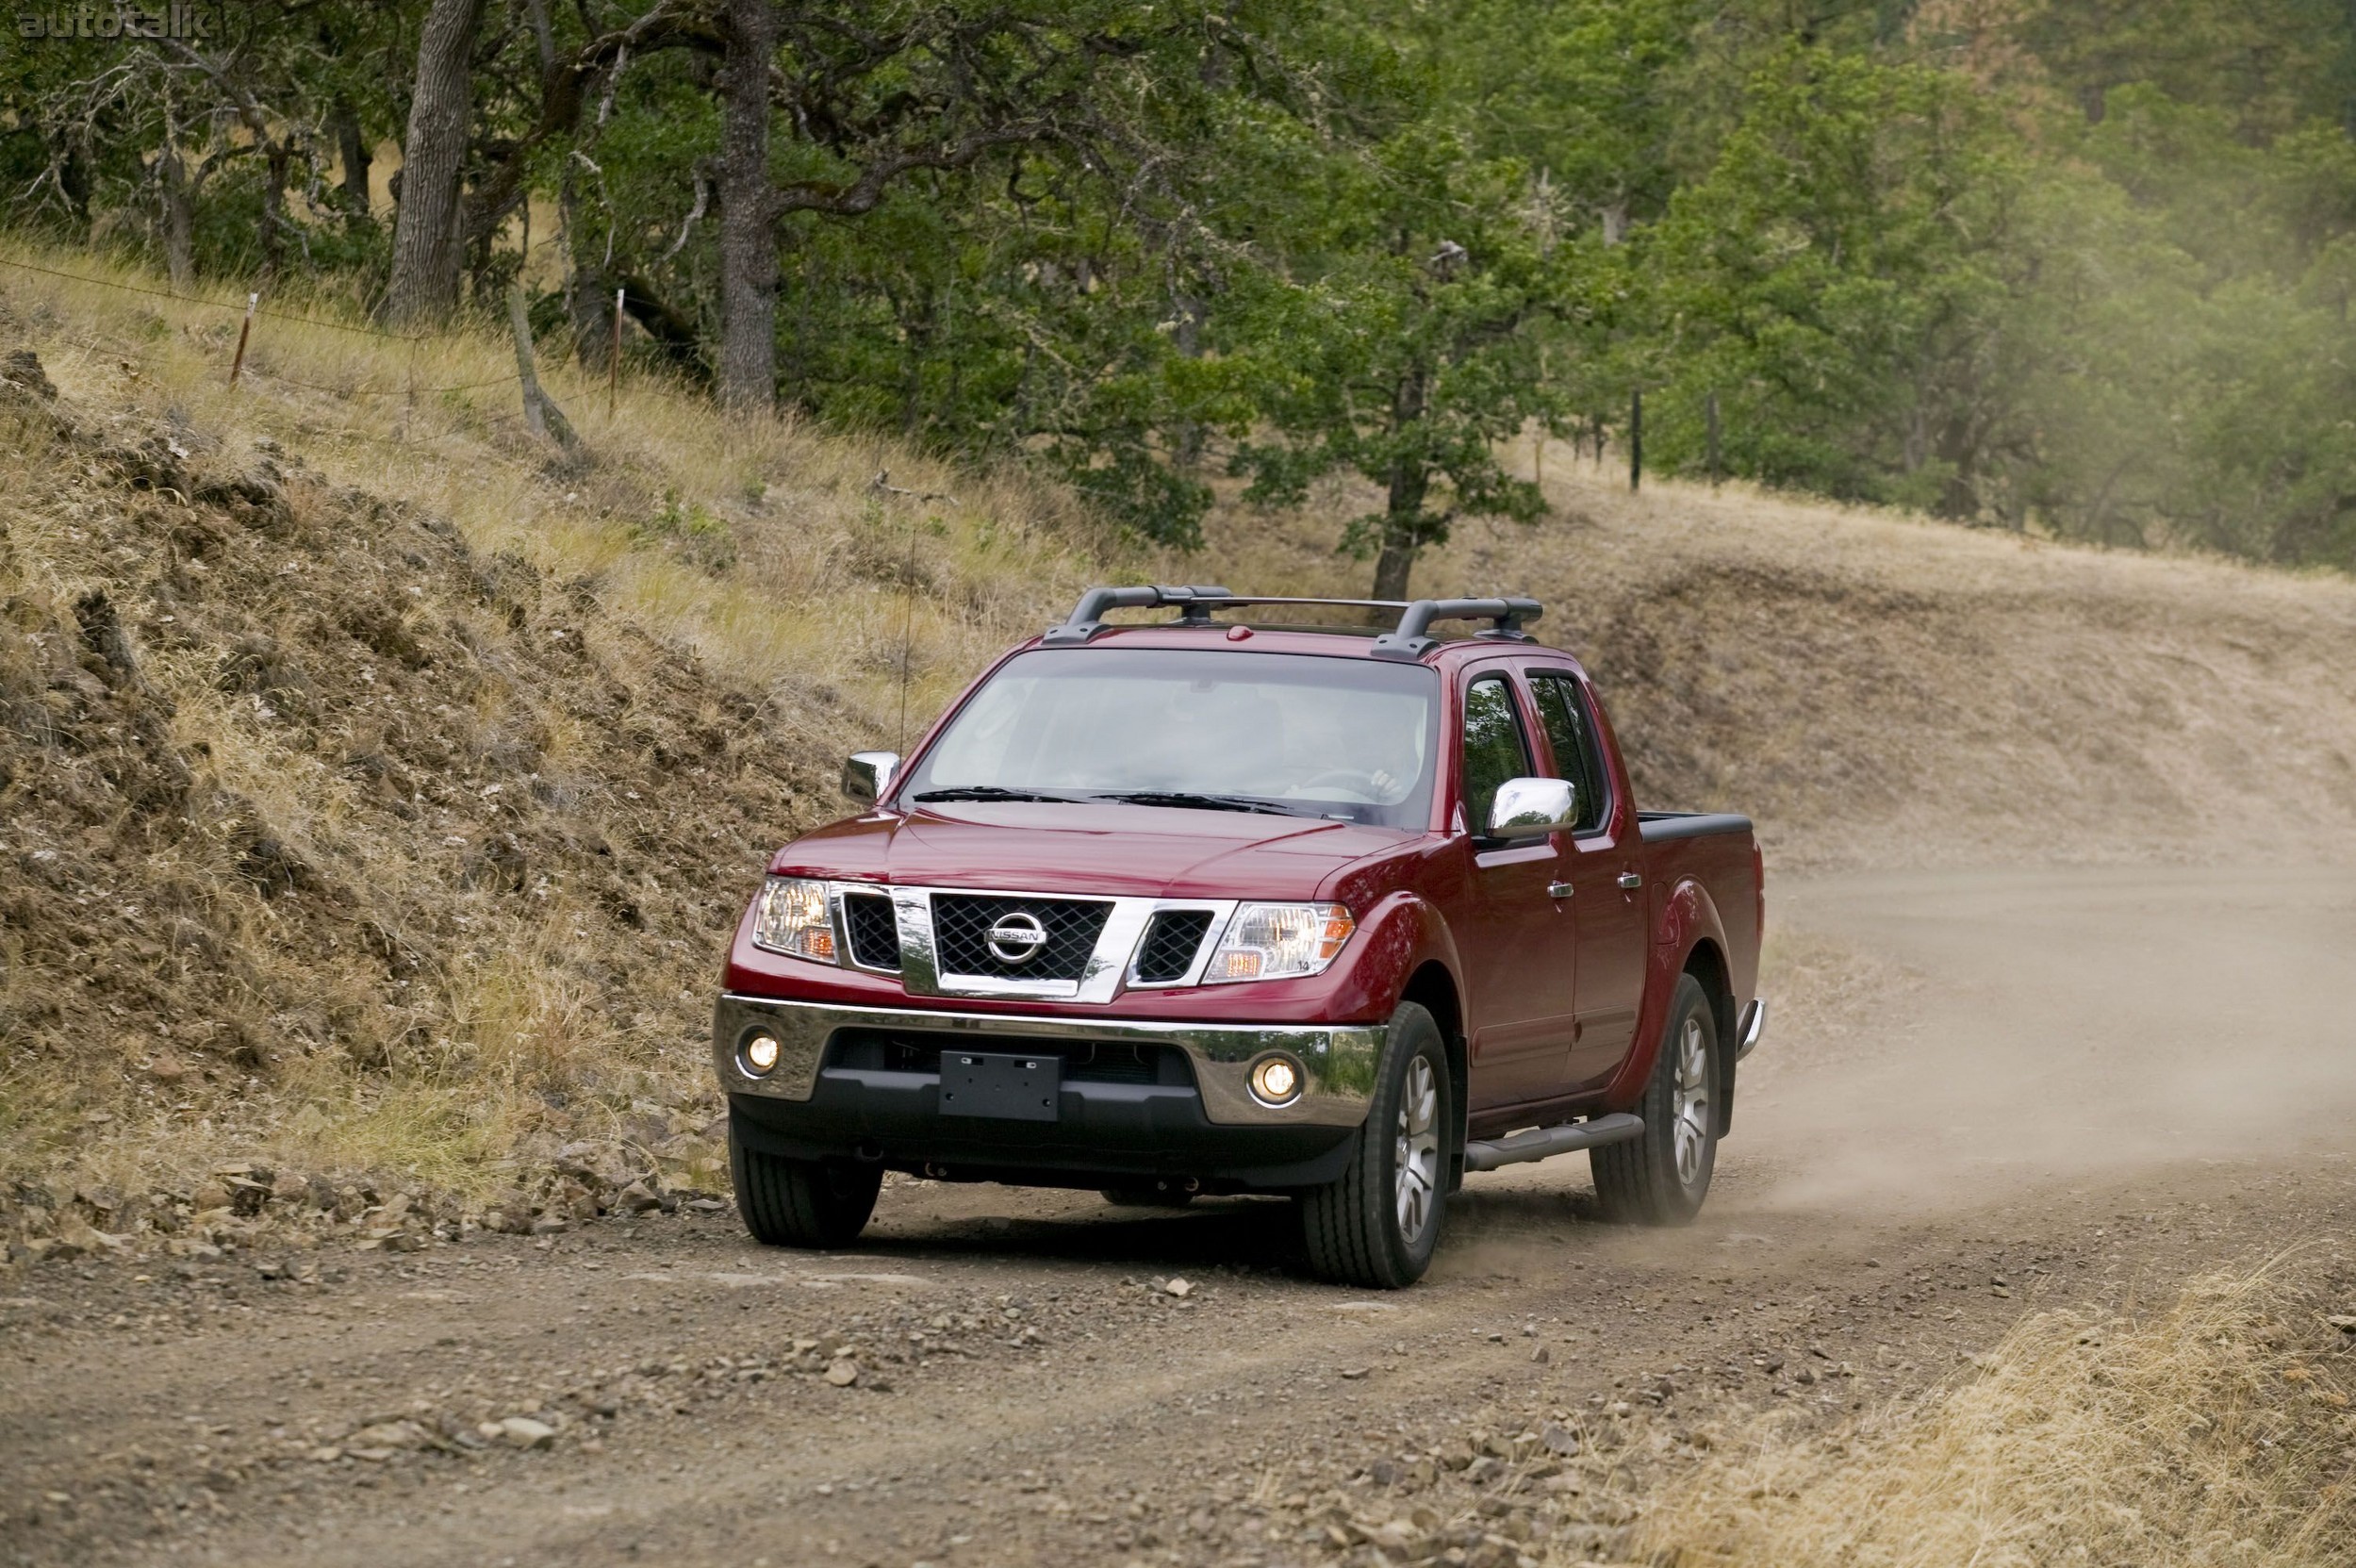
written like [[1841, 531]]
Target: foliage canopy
[[2077, 266]]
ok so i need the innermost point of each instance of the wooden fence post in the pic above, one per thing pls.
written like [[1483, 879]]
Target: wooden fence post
[[613, 359], [1635, 439], [237, 365], [1709, 409]]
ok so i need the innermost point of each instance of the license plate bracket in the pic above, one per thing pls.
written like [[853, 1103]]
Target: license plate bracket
[[1008, 1087]]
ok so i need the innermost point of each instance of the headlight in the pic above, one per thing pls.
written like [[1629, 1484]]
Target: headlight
[[791, 918], [1280, 942]]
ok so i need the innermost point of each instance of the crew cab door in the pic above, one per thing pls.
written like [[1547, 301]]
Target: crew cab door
[[1515, 937], [1605, 866]]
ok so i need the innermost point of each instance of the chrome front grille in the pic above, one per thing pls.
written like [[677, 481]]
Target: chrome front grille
[[871, 931], [1014, 937], [1172, 941], [1045, 947]]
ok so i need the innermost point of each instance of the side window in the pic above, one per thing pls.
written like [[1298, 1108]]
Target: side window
[[1495, 751], [1572, 736]]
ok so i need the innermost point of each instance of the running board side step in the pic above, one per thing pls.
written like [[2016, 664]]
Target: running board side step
[[1544, 1142]]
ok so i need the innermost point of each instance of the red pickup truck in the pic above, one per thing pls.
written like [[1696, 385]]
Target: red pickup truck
[[1216, 905]]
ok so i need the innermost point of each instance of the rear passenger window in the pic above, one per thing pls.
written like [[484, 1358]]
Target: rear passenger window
[[1495, 751], [1571, 736]]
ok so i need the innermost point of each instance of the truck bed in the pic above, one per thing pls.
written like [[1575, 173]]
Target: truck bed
[[1659, 826], [1716, 849]]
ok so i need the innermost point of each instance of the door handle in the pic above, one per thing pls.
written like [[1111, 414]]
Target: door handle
[[1559, 890], [1630, 882]]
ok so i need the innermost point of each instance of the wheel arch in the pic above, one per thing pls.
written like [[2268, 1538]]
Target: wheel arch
[[1686, 923], [1433, 988], [1706, 963]]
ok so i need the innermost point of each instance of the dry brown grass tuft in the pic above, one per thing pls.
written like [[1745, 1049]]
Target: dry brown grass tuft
[[2214, 1432]]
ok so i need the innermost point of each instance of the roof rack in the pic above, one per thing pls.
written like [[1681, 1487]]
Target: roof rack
[[1408, 641]]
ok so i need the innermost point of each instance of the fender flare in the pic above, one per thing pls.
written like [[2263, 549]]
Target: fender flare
[[1409, 936], [1686, 918], [1403, 932]]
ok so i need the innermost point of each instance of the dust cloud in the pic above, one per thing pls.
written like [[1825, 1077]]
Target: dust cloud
[[1943, 1041], [2054, 1026]]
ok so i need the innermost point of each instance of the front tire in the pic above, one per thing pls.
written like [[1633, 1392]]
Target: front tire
[[1376, 1227], [1661, 1177], [817, 1203]]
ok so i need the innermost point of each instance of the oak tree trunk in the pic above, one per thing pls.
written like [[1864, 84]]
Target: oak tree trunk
[[427, 244], [352, 150], [179, 218], [1958, 447], [277, 163], [1402, 532], [588, 297], [1186, 440], [1403, 522], [747, 367], [540, 414]]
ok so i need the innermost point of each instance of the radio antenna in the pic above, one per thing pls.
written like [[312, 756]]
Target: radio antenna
[[907, 629], [884, 485]]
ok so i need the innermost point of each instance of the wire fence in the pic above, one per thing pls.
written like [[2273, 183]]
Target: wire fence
[[507, 380], [215, 304], [343, 433], [253, 308]]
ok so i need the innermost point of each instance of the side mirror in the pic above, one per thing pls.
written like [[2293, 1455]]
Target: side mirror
[[1531, 808], [868, 776]]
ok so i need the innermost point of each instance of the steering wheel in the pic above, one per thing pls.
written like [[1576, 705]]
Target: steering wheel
[[1354, 781], [1336, 775]]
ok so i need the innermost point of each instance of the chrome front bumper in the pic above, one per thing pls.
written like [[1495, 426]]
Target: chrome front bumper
[[1340, 1058]]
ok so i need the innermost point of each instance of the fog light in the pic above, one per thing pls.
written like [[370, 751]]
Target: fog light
[[760, 1054], [1276, 1081]]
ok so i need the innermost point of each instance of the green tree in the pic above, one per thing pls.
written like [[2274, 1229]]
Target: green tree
[[1832, 279], [1386, 324]]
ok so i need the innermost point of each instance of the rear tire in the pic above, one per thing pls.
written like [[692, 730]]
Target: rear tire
[[1662, 1177], [801, 1202], [1377, 1225]]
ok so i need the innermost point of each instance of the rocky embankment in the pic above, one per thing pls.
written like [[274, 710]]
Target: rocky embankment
[[354, 881]]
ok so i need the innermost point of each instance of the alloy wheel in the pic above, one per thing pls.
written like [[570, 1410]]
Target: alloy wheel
[[1416, 1157], [1689, 1103]]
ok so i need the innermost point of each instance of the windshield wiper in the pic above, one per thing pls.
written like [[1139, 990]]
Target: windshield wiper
[[1188, 800], [993, 792]]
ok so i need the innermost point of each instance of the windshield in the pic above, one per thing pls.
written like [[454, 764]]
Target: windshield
[[1202, 729]]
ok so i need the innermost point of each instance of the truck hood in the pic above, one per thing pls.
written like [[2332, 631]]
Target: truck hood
[[1107, 849]]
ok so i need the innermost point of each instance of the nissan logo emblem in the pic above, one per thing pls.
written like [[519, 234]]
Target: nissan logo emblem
[[1018, 939]]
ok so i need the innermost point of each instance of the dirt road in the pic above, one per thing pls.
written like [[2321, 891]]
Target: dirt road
[[1979, 1093]]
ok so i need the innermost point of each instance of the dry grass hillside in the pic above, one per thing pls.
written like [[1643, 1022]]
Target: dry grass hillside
[[379, 784]]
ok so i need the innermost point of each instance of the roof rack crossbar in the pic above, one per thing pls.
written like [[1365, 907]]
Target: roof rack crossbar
[[1087, 617], [1412, 638], [1409, 640]]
